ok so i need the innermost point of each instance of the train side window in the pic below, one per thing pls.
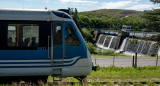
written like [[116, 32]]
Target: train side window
[[57, 34], [72, 38], [30, 35], [11, 36], [23, 35]]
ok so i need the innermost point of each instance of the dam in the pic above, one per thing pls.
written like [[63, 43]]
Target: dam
[[123, 43]]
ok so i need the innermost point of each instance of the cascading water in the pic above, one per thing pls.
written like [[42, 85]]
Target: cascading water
[[153, 48], [113, 42], [123, 45], [142, 47], [110, 42], [145, 48], [129, 46], [107, 42]]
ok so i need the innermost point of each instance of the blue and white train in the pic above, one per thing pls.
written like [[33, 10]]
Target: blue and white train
[[39, 43]]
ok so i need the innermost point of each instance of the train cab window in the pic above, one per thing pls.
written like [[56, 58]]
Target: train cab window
[[23, 35], [72, 39], [57, 34]]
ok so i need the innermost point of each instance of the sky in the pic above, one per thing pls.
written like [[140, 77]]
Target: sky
[[81, 5]]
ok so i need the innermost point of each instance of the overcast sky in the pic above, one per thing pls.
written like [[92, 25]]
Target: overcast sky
[[81, 5]]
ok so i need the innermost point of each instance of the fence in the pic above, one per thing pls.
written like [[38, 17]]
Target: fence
[[126, 61]]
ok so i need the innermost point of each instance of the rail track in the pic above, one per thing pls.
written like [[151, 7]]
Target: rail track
[[102, 83], [115, 82]]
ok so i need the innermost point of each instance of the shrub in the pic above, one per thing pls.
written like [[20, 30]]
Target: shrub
[[152, 54], [91, 48], [88, 35], [107, 52]]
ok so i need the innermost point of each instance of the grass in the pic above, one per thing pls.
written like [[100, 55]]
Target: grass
[[112, 73], [122, 74]]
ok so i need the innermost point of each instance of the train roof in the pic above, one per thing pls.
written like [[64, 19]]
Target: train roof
[[33, 15]]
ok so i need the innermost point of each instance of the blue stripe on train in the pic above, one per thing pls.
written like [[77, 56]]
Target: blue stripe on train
[[34, 62], [60, 65]]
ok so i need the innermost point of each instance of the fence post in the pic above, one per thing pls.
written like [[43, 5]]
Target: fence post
[[113, 60], [157, 61], [133, 61], [95, 62]]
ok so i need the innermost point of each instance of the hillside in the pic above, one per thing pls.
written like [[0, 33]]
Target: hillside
[[114, 13]]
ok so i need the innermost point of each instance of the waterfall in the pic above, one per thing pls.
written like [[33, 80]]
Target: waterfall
[[129, 45], [123, 45], [99, 39], [107, 41], [153, 48], [146, 47], [159, 51], [150, 50], [110, 42], [138, 46], [142, 47], [104, 41], [114, 41]]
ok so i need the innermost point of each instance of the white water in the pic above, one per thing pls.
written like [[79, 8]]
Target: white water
[[123, 45], [150, 47], [140, 49], [110, 42], [159, 51]]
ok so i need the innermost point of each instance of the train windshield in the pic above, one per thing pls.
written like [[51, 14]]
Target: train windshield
[[72, 38]]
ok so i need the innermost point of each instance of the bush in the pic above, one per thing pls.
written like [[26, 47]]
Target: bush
[[107, 52], [88, 35], [152, 54], [91, 48]]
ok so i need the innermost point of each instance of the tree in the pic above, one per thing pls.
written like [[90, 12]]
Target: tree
[[75, 13], [153, 18], [84, 21], [155, 1]]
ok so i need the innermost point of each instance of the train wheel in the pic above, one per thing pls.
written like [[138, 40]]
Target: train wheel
[[82, 79]]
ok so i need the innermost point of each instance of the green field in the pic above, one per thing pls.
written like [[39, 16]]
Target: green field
[[111, 74]]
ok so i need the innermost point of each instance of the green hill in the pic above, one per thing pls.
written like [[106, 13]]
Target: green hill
[[114, 13], [112, 19]]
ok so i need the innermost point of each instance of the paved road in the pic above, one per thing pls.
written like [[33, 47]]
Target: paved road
[[124, 62]]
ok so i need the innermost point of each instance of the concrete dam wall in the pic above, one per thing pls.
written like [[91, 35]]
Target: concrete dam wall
[[128, 46]]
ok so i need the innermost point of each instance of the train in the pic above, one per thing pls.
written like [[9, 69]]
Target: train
[[36, 44]]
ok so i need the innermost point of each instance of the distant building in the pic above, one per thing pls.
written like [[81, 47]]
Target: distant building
[[126, 28]]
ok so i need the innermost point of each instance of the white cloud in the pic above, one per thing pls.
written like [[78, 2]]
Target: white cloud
[[135, 1], [141, 7], [79, 1], [46, 1], [115, 5]]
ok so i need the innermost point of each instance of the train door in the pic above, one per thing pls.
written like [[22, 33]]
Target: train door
[[57, 43]]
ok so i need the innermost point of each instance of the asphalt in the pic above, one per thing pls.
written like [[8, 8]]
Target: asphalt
[[125, 62]]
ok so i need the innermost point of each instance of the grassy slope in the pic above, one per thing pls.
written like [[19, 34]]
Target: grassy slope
[[111, 12]]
